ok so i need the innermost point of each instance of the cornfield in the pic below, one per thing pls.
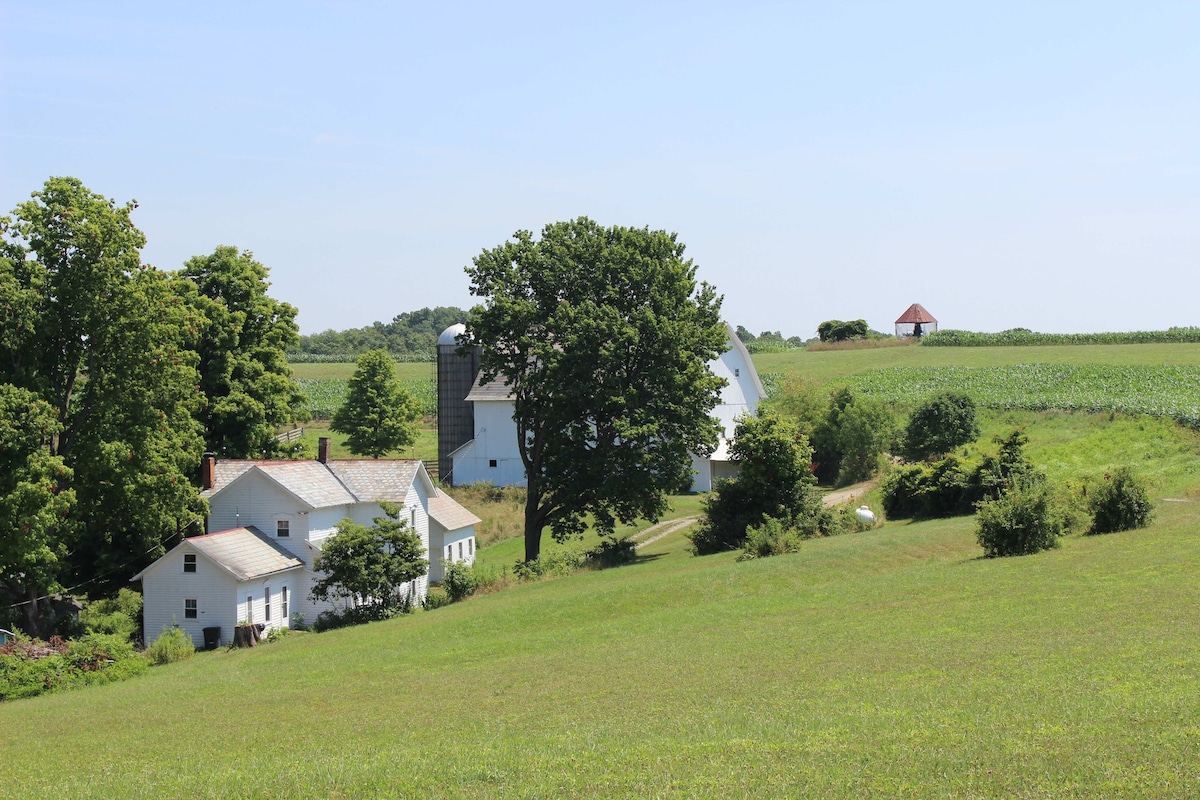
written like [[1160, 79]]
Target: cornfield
[[1161, 391], [326, 395], [1023, 338]]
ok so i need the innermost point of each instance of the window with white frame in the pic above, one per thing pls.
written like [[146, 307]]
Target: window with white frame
[[283, 528], [460, 555], [471, 546], [190, 609], [189, 562], [283, 604], [249, 608], [267, 603], [450, 553]]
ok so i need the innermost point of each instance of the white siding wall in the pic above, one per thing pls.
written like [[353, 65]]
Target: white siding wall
[[445, 546], [165, 586], [253, 500], [495, 440], [255, 591]]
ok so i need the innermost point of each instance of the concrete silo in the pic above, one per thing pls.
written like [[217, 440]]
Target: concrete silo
[[456, 416]]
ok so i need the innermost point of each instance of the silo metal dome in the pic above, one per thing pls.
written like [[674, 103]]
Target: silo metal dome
[[450, 335]]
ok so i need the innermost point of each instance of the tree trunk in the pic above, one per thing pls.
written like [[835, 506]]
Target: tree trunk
[[535, 521], [32, 624]]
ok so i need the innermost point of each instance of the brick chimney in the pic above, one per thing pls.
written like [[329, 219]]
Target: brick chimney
[[323, 449], [208, 470]]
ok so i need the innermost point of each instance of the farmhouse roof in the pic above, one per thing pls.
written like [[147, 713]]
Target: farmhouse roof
[[915, 313], [322, 485], [449, 514], [245, 553]]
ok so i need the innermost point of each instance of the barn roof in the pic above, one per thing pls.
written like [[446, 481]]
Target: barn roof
[[915, 313]]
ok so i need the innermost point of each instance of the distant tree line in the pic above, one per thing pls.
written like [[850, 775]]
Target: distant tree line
[[409, 336], [768, 341]]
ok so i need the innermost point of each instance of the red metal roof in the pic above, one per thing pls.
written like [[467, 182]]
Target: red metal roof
[[916, 313]]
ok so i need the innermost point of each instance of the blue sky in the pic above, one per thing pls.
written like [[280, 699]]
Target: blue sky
[[1016, 164]]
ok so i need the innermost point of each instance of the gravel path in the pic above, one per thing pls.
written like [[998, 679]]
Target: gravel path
[[667, 527]]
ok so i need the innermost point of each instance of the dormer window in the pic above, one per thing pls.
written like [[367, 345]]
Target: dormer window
[[283, 529], [189, 562]]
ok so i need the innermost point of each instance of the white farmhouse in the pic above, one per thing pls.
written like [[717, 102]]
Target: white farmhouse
[[267, 521], [492, 455]]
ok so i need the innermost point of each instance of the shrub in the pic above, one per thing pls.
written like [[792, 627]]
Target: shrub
[[172, 645], [774, 480], [1120, 503], [459, 581], [772, 538], [115, 616], [939, 425], [30, 667], [556, 563], [358, 615], [613, 552], [1024, 520]]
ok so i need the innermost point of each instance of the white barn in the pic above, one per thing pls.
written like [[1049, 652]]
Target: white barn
[[492, 454], [267, 521]]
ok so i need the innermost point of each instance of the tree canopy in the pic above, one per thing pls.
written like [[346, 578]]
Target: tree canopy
[[244, 374], [378, 414], [940, 424], [603, 337], [107, 343]]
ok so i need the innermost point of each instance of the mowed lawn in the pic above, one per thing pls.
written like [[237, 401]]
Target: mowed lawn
[[893, 663]]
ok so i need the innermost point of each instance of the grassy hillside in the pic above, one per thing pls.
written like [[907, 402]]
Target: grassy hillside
[[891, 663]]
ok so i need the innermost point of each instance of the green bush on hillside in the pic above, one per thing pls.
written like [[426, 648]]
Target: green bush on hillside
[[940, 424], [949, 487], [173, 644], [1120, 503], [31, 667], [1024, 520], [772, 538], [459, 581]]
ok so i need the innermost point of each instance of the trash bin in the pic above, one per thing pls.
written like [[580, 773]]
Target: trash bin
[[212, 638]]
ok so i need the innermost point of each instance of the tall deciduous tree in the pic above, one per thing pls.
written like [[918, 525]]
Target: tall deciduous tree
[[378, 414], [107, 343], [34, 501], [603, 337], [244, 374]]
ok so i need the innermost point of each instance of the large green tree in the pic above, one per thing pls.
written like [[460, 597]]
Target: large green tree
[[107, 343], [245, 379], [378, 414], [603, 337], [34, 502]]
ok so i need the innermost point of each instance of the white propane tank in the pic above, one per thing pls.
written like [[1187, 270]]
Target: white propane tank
[[865, 514]]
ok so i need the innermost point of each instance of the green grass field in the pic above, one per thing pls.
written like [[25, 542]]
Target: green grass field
[[891, 663], [894, 663]]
